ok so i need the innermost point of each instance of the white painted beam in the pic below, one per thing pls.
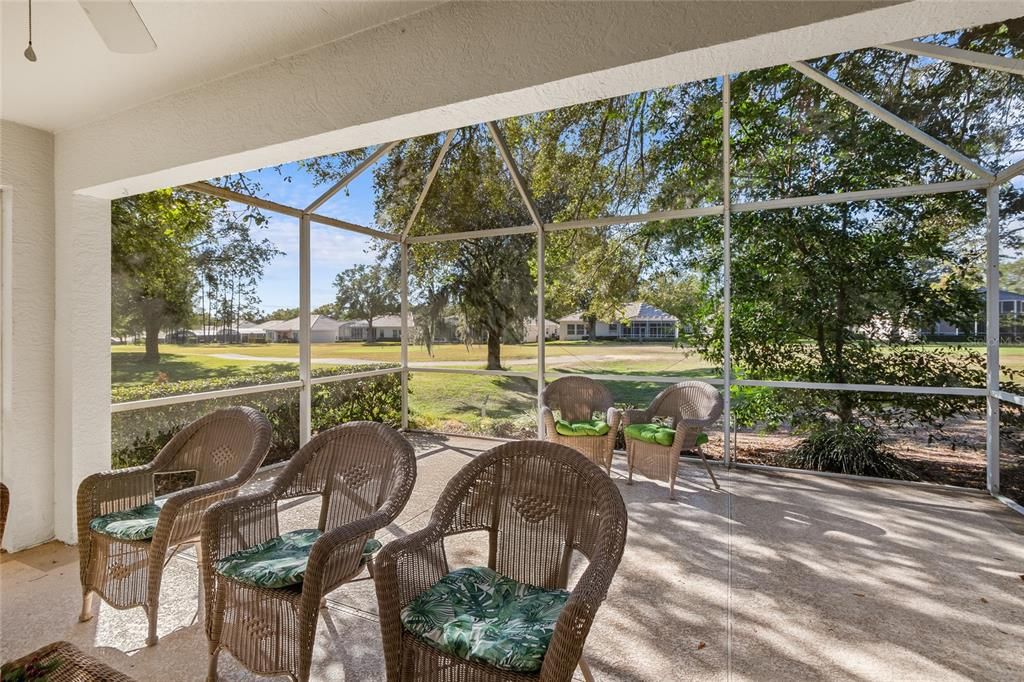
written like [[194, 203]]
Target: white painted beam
[[958, 56], [517, 177], [428, 182], [892, 119]]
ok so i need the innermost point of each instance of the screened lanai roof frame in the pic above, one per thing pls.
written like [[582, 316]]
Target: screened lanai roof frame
[[984, 179]]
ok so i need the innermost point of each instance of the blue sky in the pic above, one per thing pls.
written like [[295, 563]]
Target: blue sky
[[332, 250]]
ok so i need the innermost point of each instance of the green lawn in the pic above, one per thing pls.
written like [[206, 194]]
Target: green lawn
[[470, 400]]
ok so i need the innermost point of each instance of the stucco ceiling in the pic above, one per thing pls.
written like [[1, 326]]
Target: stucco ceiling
[[77, 79]]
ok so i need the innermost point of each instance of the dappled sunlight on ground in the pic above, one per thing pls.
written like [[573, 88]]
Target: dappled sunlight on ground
[[776, 576]]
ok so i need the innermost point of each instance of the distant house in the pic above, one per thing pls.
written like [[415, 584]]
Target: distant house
[[385, 328], [551, 330], [322, 330], [638, 321], [1011, 320]]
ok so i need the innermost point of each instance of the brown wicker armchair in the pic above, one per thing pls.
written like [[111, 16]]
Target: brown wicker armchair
[[5, 504], [224, 449], [539, 503], [364, 473], [577, 399], [694, 405]]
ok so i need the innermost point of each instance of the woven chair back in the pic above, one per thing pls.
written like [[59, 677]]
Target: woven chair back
[[688, 400], [577, 398], [539, 502], [352, 466]]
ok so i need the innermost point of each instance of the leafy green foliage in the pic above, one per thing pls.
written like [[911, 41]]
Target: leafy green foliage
[[848, 449], [138, 435], [366, 292]]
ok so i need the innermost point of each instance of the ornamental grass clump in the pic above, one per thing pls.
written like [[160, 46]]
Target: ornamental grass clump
[[848, 448]]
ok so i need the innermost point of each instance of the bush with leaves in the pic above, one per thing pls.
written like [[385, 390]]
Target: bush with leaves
[[138, 435], [842, 448]]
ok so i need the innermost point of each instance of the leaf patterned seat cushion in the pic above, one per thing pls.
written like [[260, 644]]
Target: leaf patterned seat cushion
[[482, 616], [591, 427], [138, 523], [280, 561]]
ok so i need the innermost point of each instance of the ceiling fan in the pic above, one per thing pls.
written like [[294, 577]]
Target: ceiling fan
[[117, 22]]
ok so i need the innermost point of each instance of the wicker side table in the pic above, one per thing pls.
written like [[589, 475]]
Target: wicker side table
[[61, 662]]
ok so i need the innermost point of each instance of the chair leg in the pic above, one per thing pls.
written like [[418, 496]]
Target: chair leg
[[585, 669], [86, 613], [151, 611], [673, 473], [211, 670], [707, 467], [629, 464]]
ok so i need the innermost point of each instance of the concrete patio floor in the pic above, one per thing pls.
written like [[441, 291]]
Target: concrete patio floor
[[776, 576]]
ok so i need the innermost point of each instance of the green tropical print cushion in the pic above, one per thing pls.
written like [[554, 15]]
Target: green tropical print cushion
[[651, 433], [280, 561], [479, 615], [138, 523], [593, 427]]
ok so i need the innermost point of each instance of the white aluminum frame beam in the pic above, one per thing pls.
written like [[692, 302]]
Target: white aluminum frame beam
[[992, 337], [238, 197], [428, 182], [404, 266], [538, 223], [893, 120], [726, 270], [1010, 172], [352, 175], [958, 56], [305, 328]]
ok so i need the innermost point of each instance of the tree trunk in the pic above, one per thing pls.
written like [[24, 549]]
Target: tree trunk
[[369, 331], [493, 349], [152, 318]]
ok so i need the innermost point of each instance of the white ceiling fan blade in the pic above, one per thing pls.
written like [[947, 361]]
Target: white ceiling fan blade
[[120, 26]]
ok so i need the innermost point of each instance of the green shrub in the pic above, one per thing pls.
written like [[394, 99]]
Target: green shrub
[[138, 435], [846, 448]]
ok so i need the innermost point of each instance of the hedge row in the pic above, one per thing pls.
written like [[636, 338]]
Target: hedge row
[[138, 435]]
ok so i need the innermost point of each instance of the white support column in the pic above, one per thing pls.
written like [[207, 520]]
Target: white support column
[[405, 333], [81, 423], [305, 352], [541, 329], [992, 336], [726, 274]]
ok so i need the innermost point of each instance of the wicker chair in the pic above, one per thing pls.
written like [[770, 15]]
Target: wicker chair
[[694, 405], [5, 504], [577, 399], [364, 473], [224, 449], [538, 502]]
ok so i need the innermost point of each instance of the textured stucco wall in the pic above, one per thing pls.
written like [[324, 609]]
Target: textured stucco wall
[[462, 63], [26, 453]]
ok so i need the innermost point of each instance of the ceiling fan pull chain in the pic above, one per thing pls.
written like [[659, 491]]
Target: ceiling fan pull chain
[[30, 54]]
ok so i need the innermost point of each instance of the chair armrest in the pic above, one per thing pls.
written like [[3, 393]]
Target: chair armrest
[[549, 420], [634, 417], [184, 509], [336, 556], [230, 526], [403, 569], [574, 622], [111, 491]]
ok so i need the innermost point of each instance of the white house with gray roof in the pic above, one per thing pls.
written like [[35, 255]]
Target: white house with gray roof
[[638, 321]]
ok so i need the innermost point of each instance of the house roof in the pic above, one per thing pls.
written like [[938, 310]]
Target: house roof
[[316, 322], [1004, 295], [637, 311], [379, 322]]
